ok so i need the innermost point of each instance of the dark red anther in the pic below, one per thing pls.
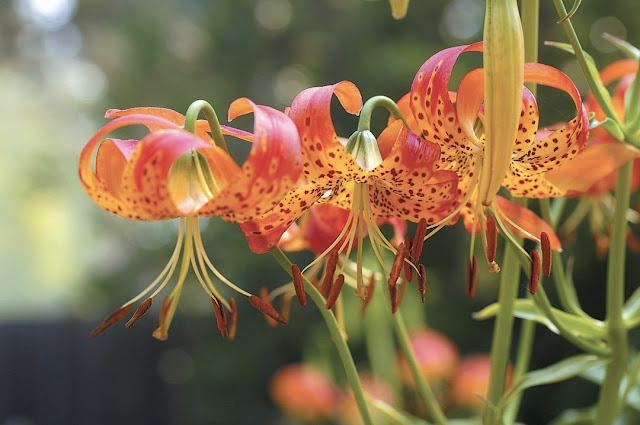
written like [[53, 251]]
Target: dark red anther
[[398, 262], [111, 320], [221, 317], [492, 238], [408, 269], [233, 319], [265, 307], [545, 246], [335, 291], [422, 281], [330, 270], [371, 286], [472, 277], [393, 296], [142, 309], [298, 284], [418, 241], [534, 277]]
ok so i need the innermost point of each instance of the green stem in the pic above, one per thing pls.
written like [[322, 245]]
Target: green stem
[[582, 61], [424, 389], [632, 378], [336, 336], [210, 114], [566, 291], [616, 331], [530, 17], [502, 330], [374, 102]]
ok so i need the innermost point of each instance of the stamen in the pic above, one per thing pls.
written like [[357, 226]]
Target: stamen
[[266, 308], [298, 284], [393, 296], [545, 246], [492, 238], [408, 271], [233, 320], [403, 290], [335, 292], [472, 277], [422, 281], [418, 241], [330, 270], [161, 333], [534, 278], [286, 306], [398, 262], [142, 309], [111, 320], [370, 288], [221, 317]]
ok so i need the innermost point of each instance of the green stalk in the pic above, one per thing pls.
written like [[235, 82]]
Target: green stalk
[[210, 114], [608, 401], [336, 336], [502, 331], [566, 291], [424, 389], [582, 61], [365, 114]]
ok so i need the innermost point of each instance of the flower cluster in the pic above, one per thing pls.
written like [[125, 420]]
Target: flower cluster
[[424, 167]]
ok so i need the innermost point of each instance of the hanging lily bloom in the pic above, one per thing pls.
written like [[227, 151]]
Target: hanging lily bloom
[[173, 173], [592, 175], [433, 114], [392, 176]]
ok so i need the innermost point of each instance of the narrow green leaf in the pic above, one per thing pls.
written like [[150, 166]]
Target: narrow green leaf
[[526, 309]]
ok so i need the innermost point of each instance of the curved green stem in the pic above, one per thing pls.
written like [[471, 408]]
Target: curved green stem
[[608, 401], [374, 102], [582, 61], [336, 336], [210, 114]]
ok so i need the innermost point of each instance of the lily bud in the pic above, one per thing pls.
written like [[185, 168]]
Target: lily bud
[[504, 78], [363, 146]]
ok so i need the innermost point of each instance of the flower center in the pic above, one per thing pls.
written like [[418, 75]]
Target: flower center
[[191, 183]]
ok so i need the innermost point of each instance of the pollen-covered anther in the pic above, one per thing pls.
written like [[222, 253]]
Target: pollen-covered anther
[[408, 270], [335, 292], [534, 277], [492, 240], [298, 285], [418, 240], [265, 307], [422, 281], [221, 317], [141, 310], [398, 263], [330, 270], [371, 286], [472, 277], [111, 319], [233, 319], [545, 246]]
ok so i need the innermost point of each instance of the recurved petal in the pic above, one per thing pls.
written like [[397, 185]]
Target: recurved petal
[[526, 220], [98, 187], [111, 159], [432, 199], [270, 171], [592, 165], [324, 157], [264, 231]]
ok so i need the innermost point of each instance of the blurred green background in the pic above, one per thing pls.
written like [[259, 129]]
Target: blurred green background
[[65, 263]]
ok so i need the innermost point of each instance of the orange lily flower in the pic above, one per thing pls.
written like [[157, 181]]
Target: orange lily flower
[[403, 183], [430, 105], [592, 174], [174, 173]]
